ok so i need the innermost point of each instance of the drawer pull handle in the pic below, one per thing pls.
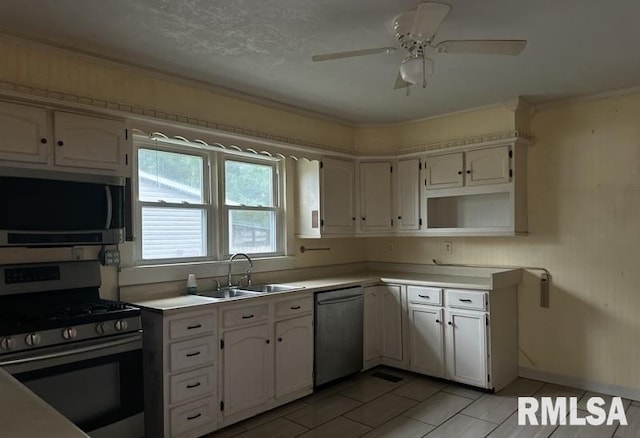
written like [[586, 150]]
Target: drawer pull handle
[[295, 307], [425, 296], [193, 417], [247, 316], [194, 385], [195, 326], [465, 300], [193, 354]]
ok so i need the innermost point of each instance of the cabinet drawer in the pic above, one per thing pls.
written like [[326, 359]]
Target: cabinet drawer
[[191, 353], [465, 299], [425, 295], [294, 307], [245, 315], [191, 384], [192, 415], [192, 325]]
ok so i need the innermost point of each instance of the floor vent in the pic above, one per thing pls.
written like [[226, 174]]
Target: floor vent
[[387, 377]]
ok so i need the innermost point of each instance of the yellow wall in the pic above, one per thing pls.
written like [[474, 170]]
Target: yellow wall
[[584, 196], [387, 139], [584, 226]]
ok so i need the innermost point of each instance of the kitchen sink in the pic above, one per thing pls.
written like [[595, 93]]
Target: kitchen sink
[[228, 293], [267, 288]]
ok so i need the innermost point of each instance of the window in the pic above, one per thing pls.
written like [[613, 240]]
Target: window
[[173, 204], [250, 206], [185, 212]]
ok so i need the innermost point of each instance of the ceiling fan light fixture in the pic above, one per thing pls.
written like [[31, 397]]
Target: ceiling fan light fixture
[[412, 69]]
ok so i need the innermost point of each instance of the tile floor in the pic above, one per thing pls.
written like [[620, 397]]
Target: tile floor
[[417, 406]]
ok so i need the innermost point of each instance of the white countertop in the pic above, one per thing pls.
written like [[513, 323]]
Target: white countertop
[[173, 304], [25, 415]]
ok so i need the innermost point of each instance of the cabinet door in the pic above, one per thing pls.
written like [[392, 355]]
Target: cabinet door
[[487, 166], [337, 196], [426, 337], [391, 304], [294, 355], [248, 368], [466, 347], [408, 195], [372, 323], [25, 137], [90, 142], [444, 171], [375, 197]]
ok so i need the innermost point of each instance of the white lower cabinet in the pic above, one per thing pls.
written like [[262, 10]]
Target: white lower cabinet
[[294, 355], [180, 372], [464, 336], [426, 340], [383, 325], [266, 355], [466, 341], [247, 368]]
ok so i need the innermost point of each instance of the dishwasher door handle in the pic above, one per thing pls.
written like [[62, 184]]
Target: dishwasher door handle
[[340, 300]]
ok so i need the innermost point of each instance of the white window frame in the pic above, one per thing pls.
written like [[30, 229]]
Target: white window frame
[[277, 208], [216, 213]]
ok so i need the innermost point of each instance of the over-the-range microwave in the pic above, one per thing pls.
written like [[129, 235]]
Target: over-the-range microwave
[[40, 208]]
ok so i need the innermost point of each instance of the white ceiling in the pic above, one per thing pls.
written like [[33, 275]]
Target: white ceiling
[[264, 48]]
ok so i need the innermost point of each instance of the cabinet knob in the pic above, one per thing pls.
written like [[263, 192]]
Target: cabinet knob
[[437, 321], [268, 341], [353, 218], [279, 339], [459, 172], [43, 140], [60, 143], [468, 171], [399, 217], [450, 323], [364, 218]]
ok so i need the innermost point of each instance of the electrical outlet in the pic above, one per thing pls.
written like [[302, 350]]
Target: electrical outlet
[[110, 257], [448, 248]]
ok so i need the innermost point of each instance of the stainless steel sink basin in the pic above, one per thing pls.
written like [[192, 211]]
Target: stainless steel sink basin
[[228, 293], [268, 288]]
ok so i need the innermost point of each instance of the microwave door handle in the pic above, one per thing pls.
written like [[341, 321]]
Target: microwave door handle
[[109, 207]]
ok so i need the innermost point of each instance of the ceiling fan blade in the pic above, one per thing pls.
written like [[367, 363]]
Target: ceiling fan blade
[[400, 83], [352, 53], [429, 16], [482, 47]]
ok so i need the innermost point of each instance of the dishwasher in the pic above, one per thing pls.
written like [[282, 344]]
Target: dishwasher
[[338, 334]]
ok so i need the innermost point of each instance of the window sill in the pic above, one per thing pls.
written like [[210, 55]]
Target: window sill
[[146, 274]]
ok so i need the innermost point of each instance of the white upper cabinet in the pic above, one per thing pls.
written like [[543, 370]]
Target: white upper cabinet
[[35, 137], [324, 197], [444, 171], [376, 196], [25, 133], [487, 166], [407, 195], [90, 142], [337, 196]]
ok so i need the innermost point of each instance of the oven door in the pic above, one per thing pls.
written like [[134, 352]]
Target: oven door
[[96, 384]]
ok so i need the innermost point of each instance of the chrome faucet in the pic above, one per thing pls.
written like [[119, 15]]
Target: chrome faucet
[[240, 254]]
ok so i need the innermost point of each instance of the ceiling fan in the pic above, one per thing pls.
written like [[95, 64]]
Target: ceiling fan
[[415, 30]]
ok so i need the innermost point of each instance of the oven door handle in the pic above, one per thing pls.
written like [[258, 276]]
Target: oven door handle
[[73, 352]]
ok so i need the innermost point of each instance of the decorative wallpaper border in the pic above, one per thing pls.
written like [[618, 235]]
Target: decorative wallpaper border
[[19, 90]]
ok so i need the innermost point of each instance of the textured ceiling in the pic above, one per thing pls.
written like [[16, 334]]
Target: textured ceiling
[[264, 48]]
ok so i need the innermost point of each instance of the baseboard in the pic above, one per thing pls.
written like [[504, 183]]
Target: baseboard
[[580, 383]]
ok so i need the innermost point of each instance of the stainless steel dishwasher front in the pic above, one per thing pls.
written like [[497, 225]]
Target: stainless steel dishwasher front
[[338, 335]]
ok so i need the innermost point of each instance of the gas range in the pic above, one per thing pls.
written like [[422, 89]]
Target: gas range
[[44, 305]]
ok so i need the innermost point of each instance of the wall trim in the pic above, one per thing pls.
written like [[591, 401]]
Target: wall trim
[[597, 96], [580, 383], [149, 118]]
